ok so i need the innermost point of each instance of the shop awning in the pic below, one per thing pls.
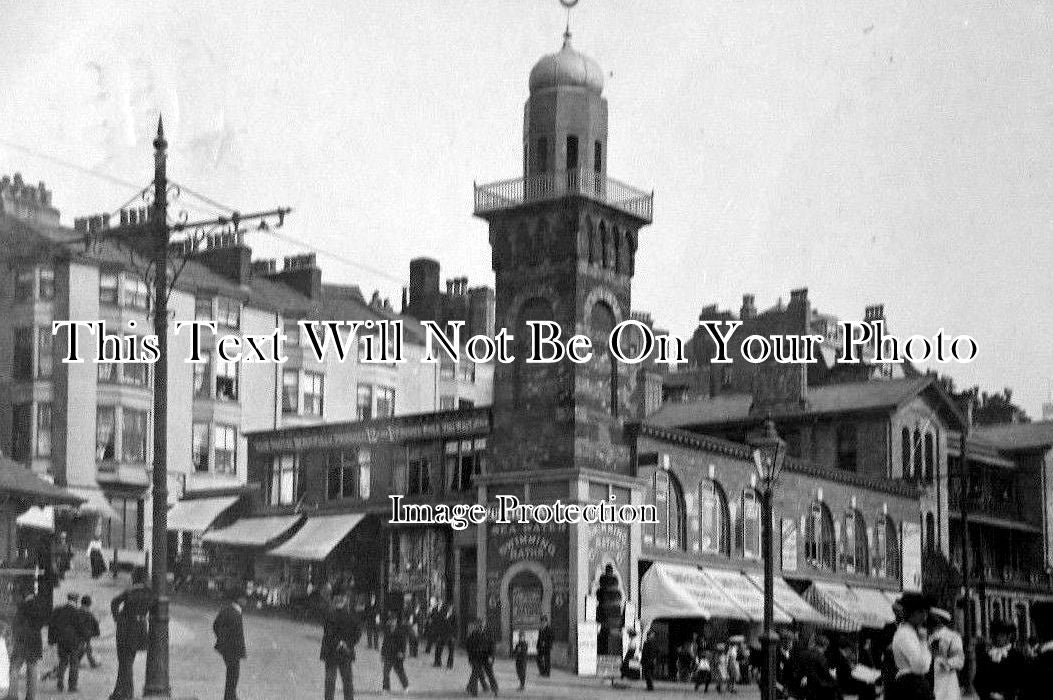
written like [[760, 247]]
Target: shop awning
[[318, 537], [94, 503], [849, 609], [197, 514], [736, 586], [17, 479], [253, 532], [893, 596], [675, 590], [787, 599], [38, 518], [875, 604]]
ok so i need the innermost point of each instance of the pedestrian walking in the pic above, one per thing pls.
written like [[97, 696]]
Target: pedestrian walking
[[703, 672], [519, 652], [91, 624], [130, 611], [372, 622], [544, 648], [910, 650], [229, 629], [26, 647], [445, 635], [817, 683], [732, 674], [999, 667], [480, 649], [393, 654], [413, 630], [68, 632], [430, 621], [96, 559], [948, 657], [340, 634], [649, 659]]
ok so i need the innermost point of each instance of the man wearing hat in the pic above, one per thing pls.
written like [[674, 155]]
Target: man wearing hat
[[67, 631], [948, 656], [999, 667], [911, 653]]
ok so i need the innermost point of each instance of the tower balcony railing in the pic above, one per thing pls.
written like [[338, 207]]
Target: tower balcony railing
[[544, 187]]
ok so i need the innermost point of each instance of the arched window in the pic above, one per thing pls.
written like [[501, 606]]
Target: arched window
[[713, 522], [906, 453], [918, 466], [672, 531], [601, 323], [605, 245], [527, 379], [591, 242], [748, 528], [886, 550], [616, 262], [930, 532], [930, 470], [857, 548], [819, 544]]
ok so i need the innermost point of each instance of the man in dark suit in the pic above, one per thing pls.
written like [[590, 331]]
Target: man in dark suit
[[230, 643], [339, 636], [393, 653], [544, 648], [130, 611], [26, 647], [479, 646], [67, 631]]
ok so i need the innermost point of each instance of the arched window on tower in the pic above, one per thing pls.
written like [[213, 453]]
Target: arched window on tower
[[605, 244], [748, 529], [906, 453], [886, 548], [857, 547], [591, 242], [541, 155], [616, 259], [916, 448], [930, 471], [601, 323], [528, 383], [819, 542], [713, 522]]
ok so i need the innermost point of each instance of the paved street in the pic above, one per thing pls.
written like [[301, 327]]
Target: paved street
[[283, 662]]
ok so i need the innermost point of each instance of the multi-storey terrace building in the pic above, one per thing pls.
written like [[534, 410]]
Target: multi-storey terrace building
[[88, 425]]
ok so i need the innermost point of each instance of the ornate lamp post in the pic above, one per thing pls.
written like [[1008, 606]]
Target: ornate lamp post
[[769, 452]]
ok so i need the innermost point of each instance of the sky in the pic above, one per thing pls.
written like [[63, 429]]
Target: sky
[[887, 152]]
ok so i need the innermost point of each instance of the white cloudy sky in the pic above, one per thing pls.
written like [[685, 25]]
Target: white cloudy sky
[[877, 151]]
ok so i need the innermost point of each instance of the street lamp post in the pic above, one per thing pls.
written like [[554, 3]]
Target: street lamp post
[[769, 452]]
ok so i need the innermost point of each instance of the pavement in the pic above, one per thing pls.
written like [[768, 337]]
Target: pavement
[[283, 663]]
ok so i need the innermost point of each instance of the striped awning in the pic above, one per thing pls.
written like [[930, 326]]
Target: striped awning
[[834, 606], [787, 599], [747, 596], [876, 607], [680, 591]]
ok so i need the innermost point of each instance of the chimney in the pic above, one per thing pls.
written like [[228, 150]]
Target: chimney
[[874, 312], [264, 268], [798, 296], [449, 287], [748, 309], [301, 273], [481, 314], [225, 253]]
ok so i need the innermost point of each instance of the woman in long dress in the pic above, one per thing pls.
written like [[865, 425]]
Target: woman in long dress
[[97, 560], [948, 657]]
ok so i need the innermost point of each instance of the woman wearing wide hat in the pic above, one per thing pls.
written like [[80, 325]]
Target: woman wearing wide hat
[[910, 650]]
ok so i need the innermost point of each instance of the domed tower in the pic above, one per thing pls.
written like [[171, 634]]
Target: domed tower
[[563, 239]]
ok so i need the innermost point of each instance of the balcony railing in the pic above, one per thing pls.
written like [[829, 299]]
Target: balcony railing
[[997, 505], [545, 187]]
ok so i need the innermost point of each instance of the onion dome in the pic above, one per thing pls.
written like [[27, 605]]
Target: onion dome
[[566, 68]]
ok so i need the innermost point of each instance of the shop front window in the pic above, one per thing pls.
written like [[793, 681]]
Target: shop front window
[[463, 459], [283, 480], [419, 468]]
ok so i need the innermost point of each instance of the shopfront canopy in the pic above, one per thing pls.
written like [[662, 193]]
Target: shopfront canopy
[[747, 596], [16, 479], [318, 537], [253, 532], [851, 608], [94, 503], [38, 518], [876, 605], [197, 514], [788, 600], [679, 591]]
